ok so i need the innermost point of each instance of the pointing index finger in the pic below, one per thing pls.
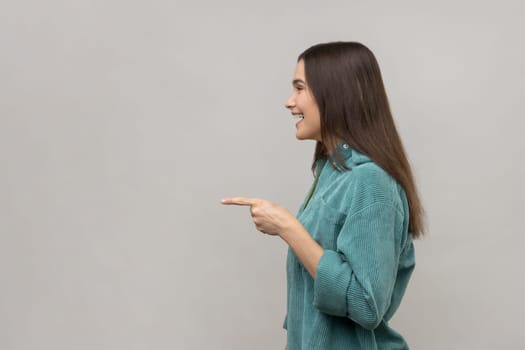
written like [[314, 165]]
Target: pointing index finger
[[238, 201]]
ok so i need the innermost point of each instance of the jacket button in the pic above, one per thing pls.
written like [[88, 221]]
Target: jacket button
[[345, 145]]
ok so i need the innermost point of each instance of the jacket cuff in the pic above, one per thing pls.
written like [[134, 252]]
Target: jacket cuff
[[331, 284]]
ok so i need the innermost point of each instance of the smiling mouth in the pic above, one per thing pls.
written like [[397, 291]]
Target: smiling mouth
[[299, 122]]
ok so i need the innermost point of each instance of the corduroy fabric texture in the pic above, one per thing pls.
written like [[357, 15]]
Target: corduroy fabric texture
[[360, 218]]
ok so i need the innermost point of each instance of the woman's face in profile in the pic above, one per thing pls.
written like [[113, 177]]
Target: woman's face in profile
[[302, 102]]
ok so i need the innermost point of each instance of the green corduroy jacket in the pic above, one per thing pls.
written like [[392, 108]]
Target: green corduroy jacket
[[360, 218]]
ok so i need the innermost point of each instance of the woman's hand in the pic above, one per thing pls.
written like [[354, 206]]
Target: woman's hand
[[268, 217], [273, 219]]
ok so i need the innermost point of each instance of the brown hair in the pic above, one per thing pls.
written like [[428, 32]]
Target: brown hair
[[346, 82]]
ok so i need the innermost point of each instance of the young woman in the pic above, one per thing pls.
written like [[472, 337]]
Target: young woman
[[351, 252]]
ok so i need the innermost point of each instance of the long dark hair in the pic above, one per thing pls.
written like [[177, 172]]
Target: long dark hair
[[346, 82]]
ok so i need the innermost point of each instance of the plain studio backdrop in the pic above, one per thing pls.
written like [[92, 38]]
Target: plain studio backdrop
[[123, 124]]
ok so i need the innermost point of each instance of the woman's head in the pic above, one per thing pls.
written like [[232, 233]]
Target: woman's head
[[346, 84], [345, 100]]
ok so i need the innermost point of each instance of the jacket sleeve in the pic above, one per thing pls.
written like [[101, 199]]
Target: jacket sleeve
[[357, 280]]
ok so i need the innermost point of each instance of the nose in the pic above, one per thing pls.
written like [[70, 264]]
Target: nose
[[290, 103]]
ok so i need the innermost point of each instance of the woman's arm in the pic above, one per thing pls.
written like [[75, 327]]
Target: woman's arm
[[308, 251], [273, 219], [357, 279]]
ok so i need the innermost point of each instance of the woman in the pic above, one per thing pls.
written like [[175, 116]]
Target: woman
[[350, 253]]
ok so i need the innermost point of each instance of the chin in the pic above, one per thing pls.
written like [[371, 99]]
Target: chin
[[303, 138], [299, 137]]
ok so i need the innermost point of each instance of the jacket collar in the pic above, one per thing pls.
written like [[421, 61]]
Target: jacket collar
[[350, 155]]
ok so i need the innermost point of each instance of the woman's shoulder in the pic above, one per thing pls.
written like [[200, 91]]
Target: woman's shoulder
[[367, 183], [365, 172]]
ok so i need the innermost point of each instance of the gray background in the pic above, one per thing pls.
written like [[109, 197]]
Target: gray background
[[123, 124]]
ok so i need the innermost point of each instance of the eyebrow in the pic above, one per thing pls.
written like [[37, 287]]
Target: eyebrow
[[295, 81]]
